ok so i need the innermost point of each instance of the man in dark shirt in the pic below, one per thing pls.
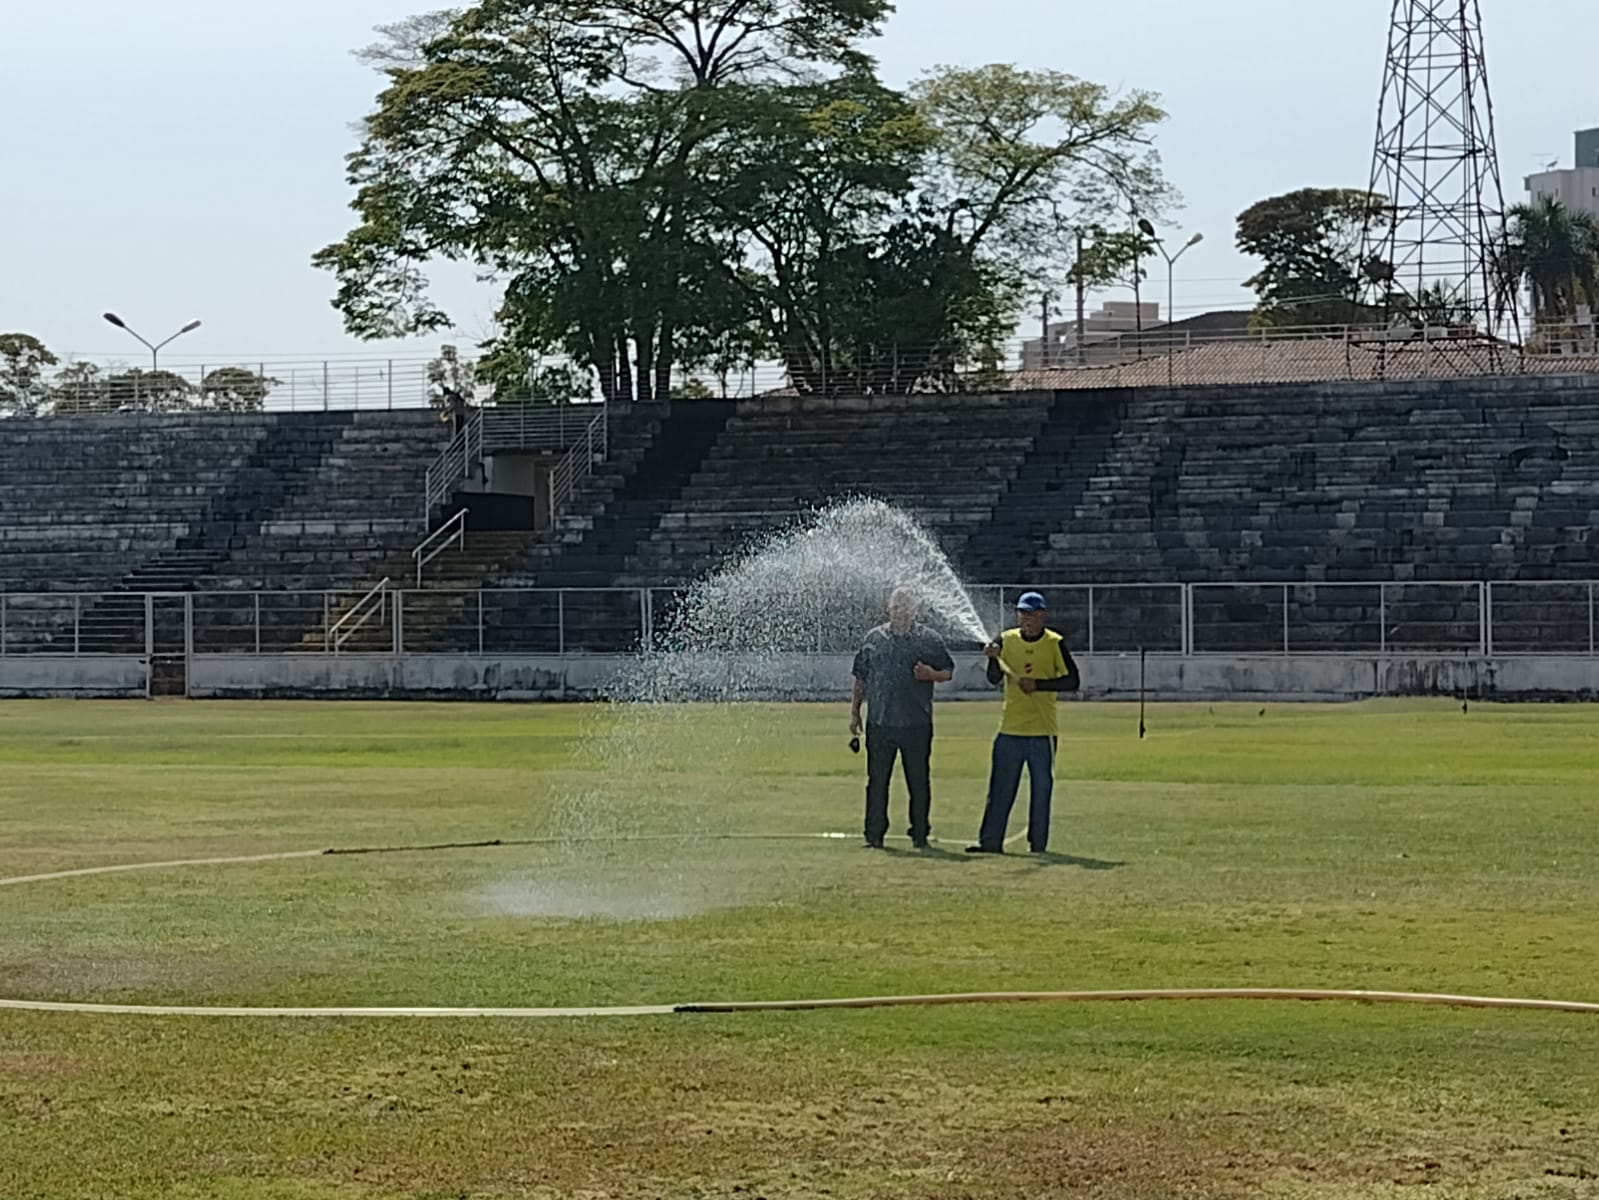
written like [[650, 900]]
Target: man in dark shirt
[[895, 671]]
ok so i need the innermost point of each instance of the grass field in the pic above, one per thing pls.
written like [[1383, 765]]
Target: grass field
[[1400, 846]]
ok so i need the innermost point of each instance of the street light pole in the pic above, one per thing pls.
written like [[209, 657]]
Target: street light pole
[[1148, 231], [154, 348]]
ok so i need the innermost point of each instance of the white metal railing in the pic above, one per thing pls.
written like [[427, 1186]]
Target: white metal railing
[[452, 532], [1160, 353], [536, 426], [1374, 618], [577, 465], [1467, 618], [454, 463], [373, 604]]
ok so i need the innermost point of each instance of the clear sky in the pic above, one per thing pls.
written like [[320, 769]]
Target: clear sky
[[183, 158]]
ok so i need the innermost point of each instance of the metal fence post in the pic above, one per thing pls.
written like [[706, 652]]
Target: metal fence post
[[149, 628], [77, 614], [1090, 619], [1382, 619], [646, 609], [1285, 621], [188, 645], [560, 622], [399, 623], [1486, 606], [480, 622], [327, 624], [3, 623], [257, 596]]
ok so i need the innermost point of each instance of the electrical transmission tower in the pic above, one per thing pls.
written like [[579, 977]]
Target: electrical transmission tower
[[1433, 257]]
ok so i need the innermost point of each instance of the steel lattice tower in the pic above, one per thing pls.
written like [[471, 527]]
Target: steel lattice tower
[[1435, 253]]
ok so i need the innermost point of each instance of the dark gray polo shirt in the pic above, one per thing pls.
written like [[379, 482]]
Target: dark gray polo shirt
[[886, 664]]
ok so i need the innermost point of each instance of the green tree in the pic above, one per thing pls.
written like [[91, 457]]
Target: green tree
[[1310, 243], [235, 389], [449, 372], [562, 144], [513, 375], [79, 387], [1112, 259], [1554, 253], [154, 391], [698, 184], [811, 190], [24, 387], [1034, 155]]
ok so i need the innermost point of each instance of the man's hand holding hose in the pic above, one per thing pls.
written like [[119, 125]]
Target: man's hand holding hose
[[1029, 686]]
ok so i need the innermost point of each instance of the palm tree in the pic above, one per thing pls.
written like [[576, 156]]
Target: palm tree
[[1554, 252]]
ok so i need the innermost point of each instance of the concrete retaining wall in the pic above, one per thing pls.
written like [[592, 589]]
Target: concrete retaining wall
[[88, 677], [827, 677]]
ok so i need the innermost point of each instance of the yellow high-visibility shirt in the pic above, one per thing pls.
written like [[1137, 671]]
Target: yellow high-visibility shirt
[[1032, 715]]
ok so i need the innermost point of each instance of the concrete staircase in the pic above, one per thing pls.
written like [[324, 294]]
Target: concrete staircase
[[448, 591]]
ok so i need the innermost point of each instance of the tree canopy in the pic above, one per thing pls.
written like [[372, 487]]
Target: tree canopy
[[24, 365], [34, 382], [1554, 252], [663, 185], [1309, 242]]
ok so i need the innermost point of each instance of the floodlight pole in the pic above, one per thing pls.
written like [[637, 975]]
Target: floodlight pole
[[1148, 230], [155, 348]]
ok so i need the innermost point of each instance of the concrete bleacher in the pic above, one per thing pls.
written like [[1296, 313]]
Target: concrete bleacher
[[946, 459], [653, 450], [114, 507], [1423, 483], [701, 478], [1429, 484], [1280, 505]]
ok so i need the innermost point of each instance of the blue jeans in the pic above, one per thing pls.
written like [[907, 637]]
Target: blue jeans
[[1011, 754]]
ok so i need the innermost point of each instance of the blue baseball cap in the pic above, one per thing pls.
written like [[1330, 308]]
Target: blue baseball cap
[[1031, 602]]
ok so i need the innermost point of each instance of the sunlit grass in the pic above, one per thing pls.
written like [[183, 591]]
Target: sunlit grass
[[1389, 846]]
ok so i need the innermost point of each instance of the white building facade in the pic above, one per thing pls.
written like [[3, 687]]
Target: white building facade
[[1576, 187]]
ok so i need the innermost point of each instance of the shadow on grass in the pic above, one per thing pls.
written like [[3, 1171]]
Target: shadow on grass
[[1050, 859]]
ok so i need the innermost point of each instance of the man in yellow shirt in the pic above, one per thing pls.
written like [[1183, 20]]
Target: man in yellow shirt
[[1033, 663]]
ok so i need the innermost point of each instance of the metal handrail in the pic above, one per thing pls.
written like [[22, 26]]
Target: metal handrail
[[362, 608], [453, 530], [536, 426], [454, 463], [576, 466]]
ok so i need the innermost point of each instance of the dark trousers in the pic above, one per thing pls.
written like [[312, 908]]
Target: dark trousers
[[914, 747], [1011, 754]]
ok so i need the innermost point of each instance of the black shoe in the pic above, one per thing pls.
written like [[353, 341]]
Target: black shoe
[[919, 843], [871, 845], [1037, 850], [982, 850]]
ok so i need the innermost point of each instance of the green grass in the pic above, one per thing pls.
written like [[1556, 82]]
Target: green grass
[[1384, 846]]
